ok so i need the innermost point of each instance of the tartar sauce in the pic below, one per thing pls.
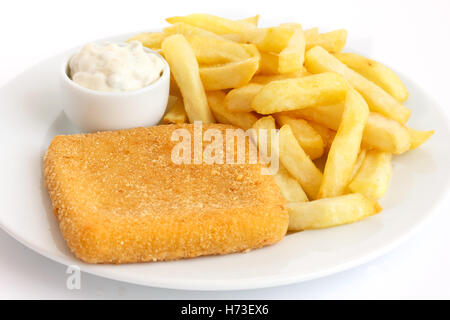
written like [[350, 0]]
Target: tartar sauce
[[113, 68]]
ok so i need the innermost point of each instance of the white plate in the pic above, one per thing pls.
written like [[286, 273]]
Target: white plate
[[31, 115]]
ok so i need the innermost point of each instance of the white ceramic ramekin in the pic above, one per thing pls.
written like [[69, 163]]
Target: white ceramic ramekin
[[92, 111]]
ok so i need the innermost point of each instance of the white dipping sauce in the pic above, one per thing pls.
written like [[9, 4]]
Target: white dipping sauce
[[114, 68]]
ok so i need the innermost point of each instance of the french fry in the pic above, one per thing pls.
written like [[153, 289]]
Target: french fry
[[264, 123], [266, 150], [240, 99], [252, 20], [318, 60], [344, 150], [330, 212], [210, 48], [292, 94], [291, 58], [170, 102], [184, 67], [252, 36], [333, 41], [359, 161], [372, 179], [297, 162], [244, 120], [307, 137], [386, 135], [418, 138], [236, 37], [176, 113], [289, 187], [320, 162], [311, 34], [214, 24], [174, 89], [269, 63], [380, 132], [151, 40], [265, 79], [230, 75], [211, 51], [376, 72], [239, 37], [326, 115], [326, 134], [275, 39], [188, 30], [253, 52]]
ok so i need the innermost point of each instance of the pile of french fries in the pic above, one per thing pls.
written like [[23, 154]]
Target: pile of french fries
[[340, 116]]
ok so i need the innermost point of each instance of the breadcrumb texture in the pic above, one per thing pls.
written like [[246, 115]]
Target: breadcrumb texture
[[119, 198]]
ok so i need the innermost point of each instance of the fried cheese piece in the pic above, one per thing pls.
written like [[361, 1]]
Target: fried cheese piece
[[119, 198]]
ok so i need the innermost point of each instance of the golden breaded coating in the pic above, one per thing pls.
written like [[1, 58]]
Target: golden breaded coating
[[119, 198]]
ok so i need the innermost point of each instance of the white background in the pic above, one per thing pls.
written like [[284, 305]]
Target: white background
[[411, 35]]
